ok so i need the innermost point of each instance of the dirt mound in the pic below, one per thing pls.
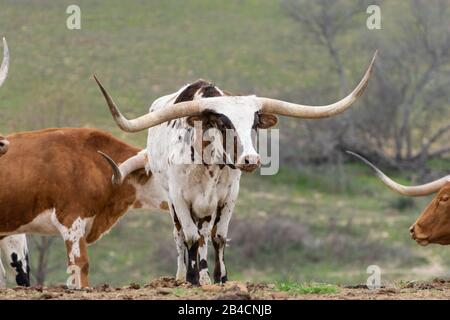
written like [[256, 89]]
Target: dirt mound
[[167, 282], [168, 288]]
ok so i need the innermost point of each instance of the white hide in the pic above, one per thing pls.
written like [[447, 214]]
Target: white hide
[[41, 224], [194, 186], [13, 244], [194, 182], [73, 234]]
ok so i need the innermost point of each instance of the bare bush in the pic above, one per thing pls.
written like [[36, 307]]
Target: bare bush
[[405, 119]]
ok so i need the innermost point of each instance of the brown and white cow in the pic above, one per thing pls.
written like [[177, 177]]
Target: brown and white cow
[[54, 184], [433, 225], [202, 196]]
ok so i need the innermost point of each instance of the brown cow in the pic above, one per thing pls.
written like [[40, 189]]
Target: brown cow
[[433, 225], [54, 184]]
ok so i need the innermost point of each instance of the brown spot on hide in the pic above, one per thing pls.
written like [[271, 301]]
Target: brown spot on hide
[[164, 205]]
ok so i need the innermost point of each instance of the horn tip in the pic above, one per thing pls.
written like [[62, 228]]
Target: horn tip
[[355, 155], [372, 63], [100, 85], [5, 46], [117, 177], [96, 79], [375, 56], [377, 171]]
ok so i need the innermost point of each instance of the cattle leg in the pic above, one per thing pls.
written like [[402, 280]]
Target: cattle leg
[[191, 236], [2, 274], [181, 255], [16, 253], [219, 238], [73, 232], [220, 270], [181, 246], [204, 226], [78, 263], [192, 274]]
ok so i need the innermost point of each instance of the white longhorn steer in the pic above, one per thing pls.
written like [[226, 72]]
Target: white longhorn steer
[[14, 247], [202, 196]]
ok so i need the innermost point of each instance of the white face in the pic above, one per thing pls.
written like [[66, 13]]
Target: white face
[[240, 113]]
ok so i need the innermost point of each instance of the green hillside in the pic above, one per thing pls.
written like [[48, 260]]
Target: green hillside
[[141, 50]]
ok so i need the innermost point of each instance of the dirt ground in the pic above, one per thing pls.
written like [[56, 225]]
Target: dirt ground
[[169, 288]]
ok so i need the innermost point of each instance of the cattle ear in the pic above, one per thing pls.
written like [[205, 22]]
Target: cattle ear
[[267, 120], [190, 120]]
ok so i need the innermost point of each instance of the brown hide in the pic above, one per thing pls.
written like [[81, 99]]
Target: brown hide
[[433, 225], [60, 168]]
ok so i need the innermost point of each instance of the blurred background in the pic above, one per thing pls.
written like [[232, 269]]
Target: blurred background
[[323, 217]]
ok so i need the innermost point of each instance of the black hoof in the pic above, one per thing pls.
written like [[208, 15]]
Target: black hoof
[[193, 277]]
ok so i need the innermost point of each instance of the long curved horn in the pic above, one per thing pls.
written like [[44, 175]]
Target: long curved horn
[[413, 191], [5, 64], [268, 105], [179, 110], [130, 165], [315, 112]]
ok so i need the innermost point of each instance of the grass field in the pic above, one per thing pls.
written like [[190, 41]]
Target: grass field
[[284, 232]]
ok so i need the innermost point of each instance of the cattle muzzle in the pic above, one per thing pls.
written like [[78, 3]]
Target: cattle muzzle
[[249, 163], [4, 145], [417, 236]]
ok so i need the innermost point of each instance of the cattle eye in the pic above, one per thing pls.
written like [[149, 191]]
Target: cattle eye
[[445, 198], [192, 119], [218, 123]]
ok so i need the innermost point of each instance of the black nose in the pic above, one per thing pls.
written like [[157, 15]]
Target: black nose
[[252, 160], [411, 231], [249, 163], [3, 146]]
